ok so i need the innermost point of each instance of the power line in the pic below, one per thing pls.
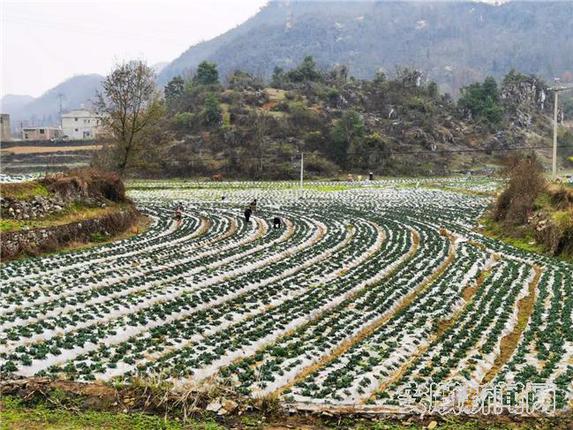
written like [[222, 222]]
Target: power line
[[454, 151], [296, 159]]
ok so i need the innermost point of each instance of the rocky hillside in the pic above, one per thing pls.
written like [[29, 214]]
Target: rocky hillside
[[391, 125], [453, 43]]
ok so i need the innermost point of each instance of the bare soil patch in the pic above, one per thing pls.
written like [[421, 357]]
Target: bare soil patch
[[49, 149]]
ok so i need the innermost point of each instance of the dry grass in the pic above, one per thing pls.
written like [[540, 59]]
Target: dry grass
[[23, 190], [443, 326], [275, 94], [151, 404], [49, 149], [468, 294]]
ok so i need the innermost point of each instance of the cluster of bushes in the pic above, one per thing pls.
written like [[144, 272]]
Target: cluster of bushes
[[86, 183], [530, 208]]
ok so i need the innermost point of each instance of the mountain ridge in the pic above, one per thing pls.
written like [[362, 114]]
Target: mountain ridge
[[482, 40]]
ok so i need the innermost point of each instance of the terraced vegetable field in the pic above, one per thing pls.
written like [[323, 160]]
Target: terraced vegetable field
[[367, 292]]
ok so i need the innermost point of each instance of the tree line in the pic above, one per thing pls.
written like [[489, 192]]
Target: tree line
[[246, 127]]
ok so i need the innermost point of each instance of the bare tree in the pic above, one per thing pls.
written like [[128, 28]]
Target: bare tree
[[129, 105], [261, 126]]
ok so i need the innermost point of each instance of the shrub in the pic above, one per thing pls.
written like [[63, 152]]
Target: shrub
[[87, 182], [525, 183]]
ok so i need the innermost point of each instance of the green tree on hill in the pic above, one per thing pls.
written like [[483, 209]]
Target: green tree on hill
[[347, 131], [370, 153], [306, 71], [481, 101], [278, 77], [212, 114], [207, 74], [174, 91]]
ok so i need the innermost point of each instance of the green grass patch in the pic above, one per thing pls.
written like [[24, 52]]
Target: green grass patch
[[14, 416], [519, 238], [98, 237], [24, 190], [543, 201], [7, 225]]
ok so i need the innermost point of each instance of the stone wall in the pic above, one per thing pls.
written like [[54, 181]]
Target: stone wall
[[94, 190], [37, 207], [39, 240]]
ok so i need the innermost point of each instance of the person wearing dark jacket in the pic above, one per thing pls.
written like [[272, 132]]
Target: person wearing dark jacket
[[247, 214], [277, 223]]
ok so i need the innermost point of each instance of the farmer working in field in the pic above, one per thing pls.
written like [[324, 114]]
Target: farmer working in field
[[253, 206], [277, 223], [178, 214], [248, 213]]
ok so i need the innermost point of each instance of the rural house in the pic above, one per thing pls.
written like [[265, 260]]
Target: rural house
[[80, 125]]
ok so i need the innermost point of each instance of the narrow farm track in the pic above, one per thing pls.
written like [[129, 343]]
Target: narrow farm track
[[362, 293], [418, 286], [362, 334], [325, 317]]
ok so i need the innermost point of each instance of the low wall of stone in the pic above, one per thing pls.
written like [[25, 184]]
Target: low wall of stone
[[40, 240]]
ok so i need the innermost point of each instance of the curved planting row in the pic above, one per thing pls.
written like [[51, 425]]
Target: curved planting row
[[367, 290]]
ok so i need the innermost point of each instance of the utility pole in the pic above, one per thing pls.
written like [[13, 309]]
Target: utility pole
[[60, 97], [556, 90], [301, 169], [554, 165]]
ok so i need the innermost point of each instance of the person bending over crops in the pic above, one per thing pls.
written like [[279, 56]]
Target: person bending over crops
[[277, 222], [247, 214], [178, 215], [253, 206]]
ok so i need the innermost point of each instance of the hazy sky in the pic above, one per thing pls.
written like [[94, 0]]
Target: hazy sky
[[47, 41]]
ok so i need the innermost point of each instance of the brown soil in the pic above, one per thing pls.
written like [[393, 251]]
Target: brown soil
[[49, 149]]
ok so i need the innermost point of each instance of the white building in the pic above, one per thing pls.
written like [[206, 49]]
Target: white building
[[80, 125]]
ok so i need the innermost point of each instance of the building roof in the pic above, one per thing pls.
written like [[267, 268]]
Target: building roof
[[79, 113]]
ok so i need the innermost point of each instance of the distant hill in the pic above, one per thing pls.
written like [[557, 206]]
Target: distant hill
[[44, 110], [14, 102], [158, 67], [454, 43]]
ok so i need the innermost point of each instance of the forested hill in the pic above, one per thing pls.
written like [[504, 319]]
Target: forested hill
[[394, 125], [454, 43]]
